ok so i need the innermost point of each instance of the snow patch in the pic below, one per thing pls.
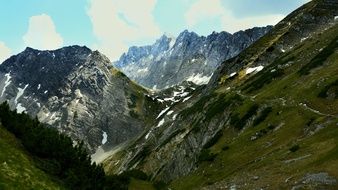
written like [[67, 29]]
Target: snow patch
[[20, 108], [170, 112], [7, 82], [233, 74], [336, 18], [105, 136], [199, 79], [20, 93], [160, 123], [147, 135], [160, 100], [172, 99], [143, 71], [187, 98], [39, 86], [45, 92], [254, 69], [174, 117], [162, 112]]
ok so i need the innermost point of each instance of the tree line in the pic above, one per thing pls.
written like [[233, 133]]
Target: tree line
[[55, 154]]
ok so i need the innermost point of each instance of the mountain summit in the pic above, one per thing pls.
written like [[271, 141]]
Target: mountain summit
[[189, 57], [77, 91]]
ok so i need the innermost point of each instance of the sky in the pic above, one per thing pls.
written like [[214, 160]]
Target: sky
[[112, 26]]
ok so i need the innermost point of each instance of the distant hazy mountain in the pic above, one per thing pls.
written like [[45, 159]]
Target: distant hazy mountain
[[189, 57]]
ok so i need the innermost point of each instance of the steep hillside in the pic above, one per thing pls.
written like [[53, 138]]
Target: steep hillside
[[77, 91], [189, 57], [17, 169], [268, 119]]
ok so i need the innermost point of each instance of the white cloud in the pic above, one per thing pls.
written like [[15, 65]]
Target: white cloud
[[232, 24], [203, 9], [5, 52], [210, 9], [116, 23], [42, 33]]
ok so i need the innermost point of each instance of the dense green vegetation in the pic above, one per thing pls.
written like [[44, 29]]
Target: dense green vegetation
[[239, 122], [333, 87], [55, 151], [17, 169], [206, 155], [55, 154]]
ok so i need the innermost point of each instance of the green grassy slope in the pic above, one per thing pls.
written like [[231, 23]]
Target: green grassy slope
[[296, 139], [17, 168]]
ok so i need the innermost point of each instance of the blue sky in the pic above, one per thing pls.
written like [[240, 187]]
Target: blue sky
[[111, 26]]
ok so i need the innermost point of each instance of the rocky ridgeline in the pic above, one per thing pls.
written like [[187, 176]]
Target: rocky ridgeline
[[75, 90], [170, 61]]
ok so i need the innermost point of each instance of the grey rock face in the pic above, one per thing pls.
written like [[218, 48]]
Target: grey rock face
[[189, 57], [75, 90], [171, 148]]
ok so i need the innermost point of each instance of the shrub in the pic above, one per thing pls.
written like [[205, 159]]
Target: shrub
[[225, 147], [324, 92], [160, 185], [294, 148], [135, 173], [238, 122], [206, 155], [264, 114]]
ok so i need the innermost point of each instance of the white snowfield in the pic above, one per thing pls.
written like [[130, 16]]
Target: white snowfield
[[199, 79], [105, 137], [20, 93], [7, 82], [254, 69]]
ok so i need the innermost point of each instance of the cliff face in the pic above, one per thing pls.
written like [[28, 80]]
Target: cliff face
[[77, 91], [188, 57]]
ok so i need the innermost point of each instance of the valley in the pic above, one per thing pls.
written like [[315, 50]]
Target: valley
[[256, 109]]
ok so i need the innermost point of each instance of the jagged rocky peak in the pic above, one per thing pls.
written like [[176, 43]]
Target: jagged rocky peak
[[187, 36], [75, 90], [170, 61]]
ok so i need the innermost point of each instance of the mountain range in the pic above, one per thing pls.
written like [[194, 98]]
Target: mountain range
[[189, 57], [257, 109]]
